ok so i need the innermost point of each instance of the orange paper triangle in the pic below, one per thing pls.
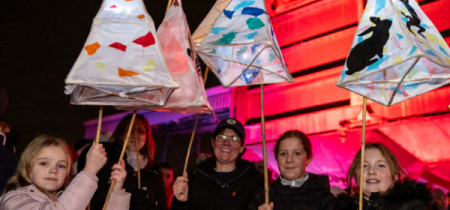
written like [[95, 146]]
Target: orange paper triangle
[[92, 48], [126, 73], [141, 16]]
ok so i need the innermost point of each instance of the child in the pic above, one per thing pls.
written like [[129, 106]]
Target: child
[[384, 186], [296, 188], [45, 169]]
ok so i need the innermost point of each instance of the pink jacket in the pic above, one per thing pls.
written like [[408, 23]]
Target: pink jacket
[[76, 197]]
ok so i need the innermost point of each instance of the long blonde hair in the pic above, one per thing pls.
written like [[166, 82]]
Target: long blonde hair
[[28, 161], [397, 171]]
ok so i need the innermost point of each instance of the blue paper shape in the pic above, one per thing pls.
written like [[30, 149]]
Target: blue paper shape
[[244, 4], [425, 26], [413, 49], [399, 91], [250, 75], [431, 52], [255, 11], [254, 48], [251, 35], [228, 13], [376, 65], [404, 19], [226, 39], [411, 86], [400, 36], [379, 5], [217, 30]]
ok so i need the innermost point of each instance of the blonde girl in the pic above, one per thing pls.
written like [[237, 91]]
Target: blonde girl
[[43, 179]]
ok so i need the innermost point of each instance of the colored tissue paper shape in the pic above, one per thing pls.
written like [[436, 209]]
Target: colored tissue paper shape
[[112, 70], [254, 11], [92, 48], [247, 52], [217, 30], [101, 65], [118, 46], [228, 13], [190, 97], [244, 4], [126, 73], [151, 64], [146, 40], [255, 23], [398, 56]]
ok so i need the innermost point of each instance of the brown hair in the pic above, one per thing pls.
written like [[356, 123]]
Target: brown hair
[[394, 165], [119, 136], [28, 160], [295, 134]]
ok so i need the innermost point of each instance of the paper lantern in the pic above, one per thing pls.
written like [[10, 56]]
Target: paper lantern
[[397, 53], [122, 62], [237, 42], [174, 37]]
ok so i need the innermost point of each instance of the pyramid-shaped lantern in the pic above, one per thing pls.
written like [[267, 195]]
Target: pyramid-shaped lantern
[[175, 39], [237, 42], [397, 53], [122, 62]]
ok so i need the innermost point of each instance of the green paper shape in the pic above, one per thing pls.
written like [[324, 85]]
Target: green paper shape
[[226, 39], [271, 55], [151, 64], [255, 23], [242, 50]]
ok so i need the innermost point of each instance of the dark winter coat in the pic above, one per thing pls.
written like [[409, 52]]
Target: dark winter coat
[[206, 192], [406, 195], [150, 196], [314, 194]]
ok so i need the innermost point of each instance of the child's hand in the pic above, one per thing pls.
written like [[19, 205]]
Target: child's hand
[[119, 173], [95, 158], [266, 206]]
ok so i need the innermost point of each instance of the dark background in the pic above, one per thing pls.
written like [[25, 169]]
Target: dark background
[[40, 41]]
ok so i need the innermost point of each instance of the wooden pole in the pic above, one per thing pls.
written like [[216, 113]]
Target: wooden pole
[[263, 136], [168, 5], [121, 156], [195, 128], [99, 127], [363, 146], [138, 163]]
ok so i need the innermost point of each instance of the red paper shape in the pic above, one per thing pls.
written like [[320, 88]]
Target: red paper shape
[[118, 46], [113, 6], [146, 40]]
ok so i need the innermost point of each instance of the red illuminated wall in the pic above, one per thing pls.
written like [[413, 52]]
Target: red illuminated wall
[[315, 37]]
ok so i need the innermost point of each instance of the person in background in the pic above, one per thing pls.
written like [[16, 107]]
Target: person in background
[[43, 180], [78, 148], [386, 183], [166, 172], [151, 195], [224, 181], [439, 200], [295, 188], [8, 160]]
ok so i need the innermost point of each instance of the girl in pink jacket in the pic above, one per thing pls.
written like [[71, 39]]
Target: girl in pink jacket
[[44, 170]]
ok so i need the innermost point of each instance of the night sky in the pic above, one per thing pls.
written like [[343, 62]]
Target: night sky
[[40, 42]]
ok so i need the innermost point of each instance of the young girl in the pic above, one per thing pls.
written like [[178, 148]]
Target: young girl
[[151, 195], [296, 188], [384, 184], [45, 169]]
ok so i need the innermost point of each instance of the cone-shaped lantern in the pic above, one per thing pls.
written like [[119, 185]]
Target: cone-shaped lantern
[[176, 43], [122, 62], [397, 53], [237, 41]]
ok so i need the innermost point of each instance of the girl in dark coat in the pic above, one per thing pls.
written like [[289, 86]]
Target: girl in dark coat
[[295, 188], [384, 184], [151, 195]]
